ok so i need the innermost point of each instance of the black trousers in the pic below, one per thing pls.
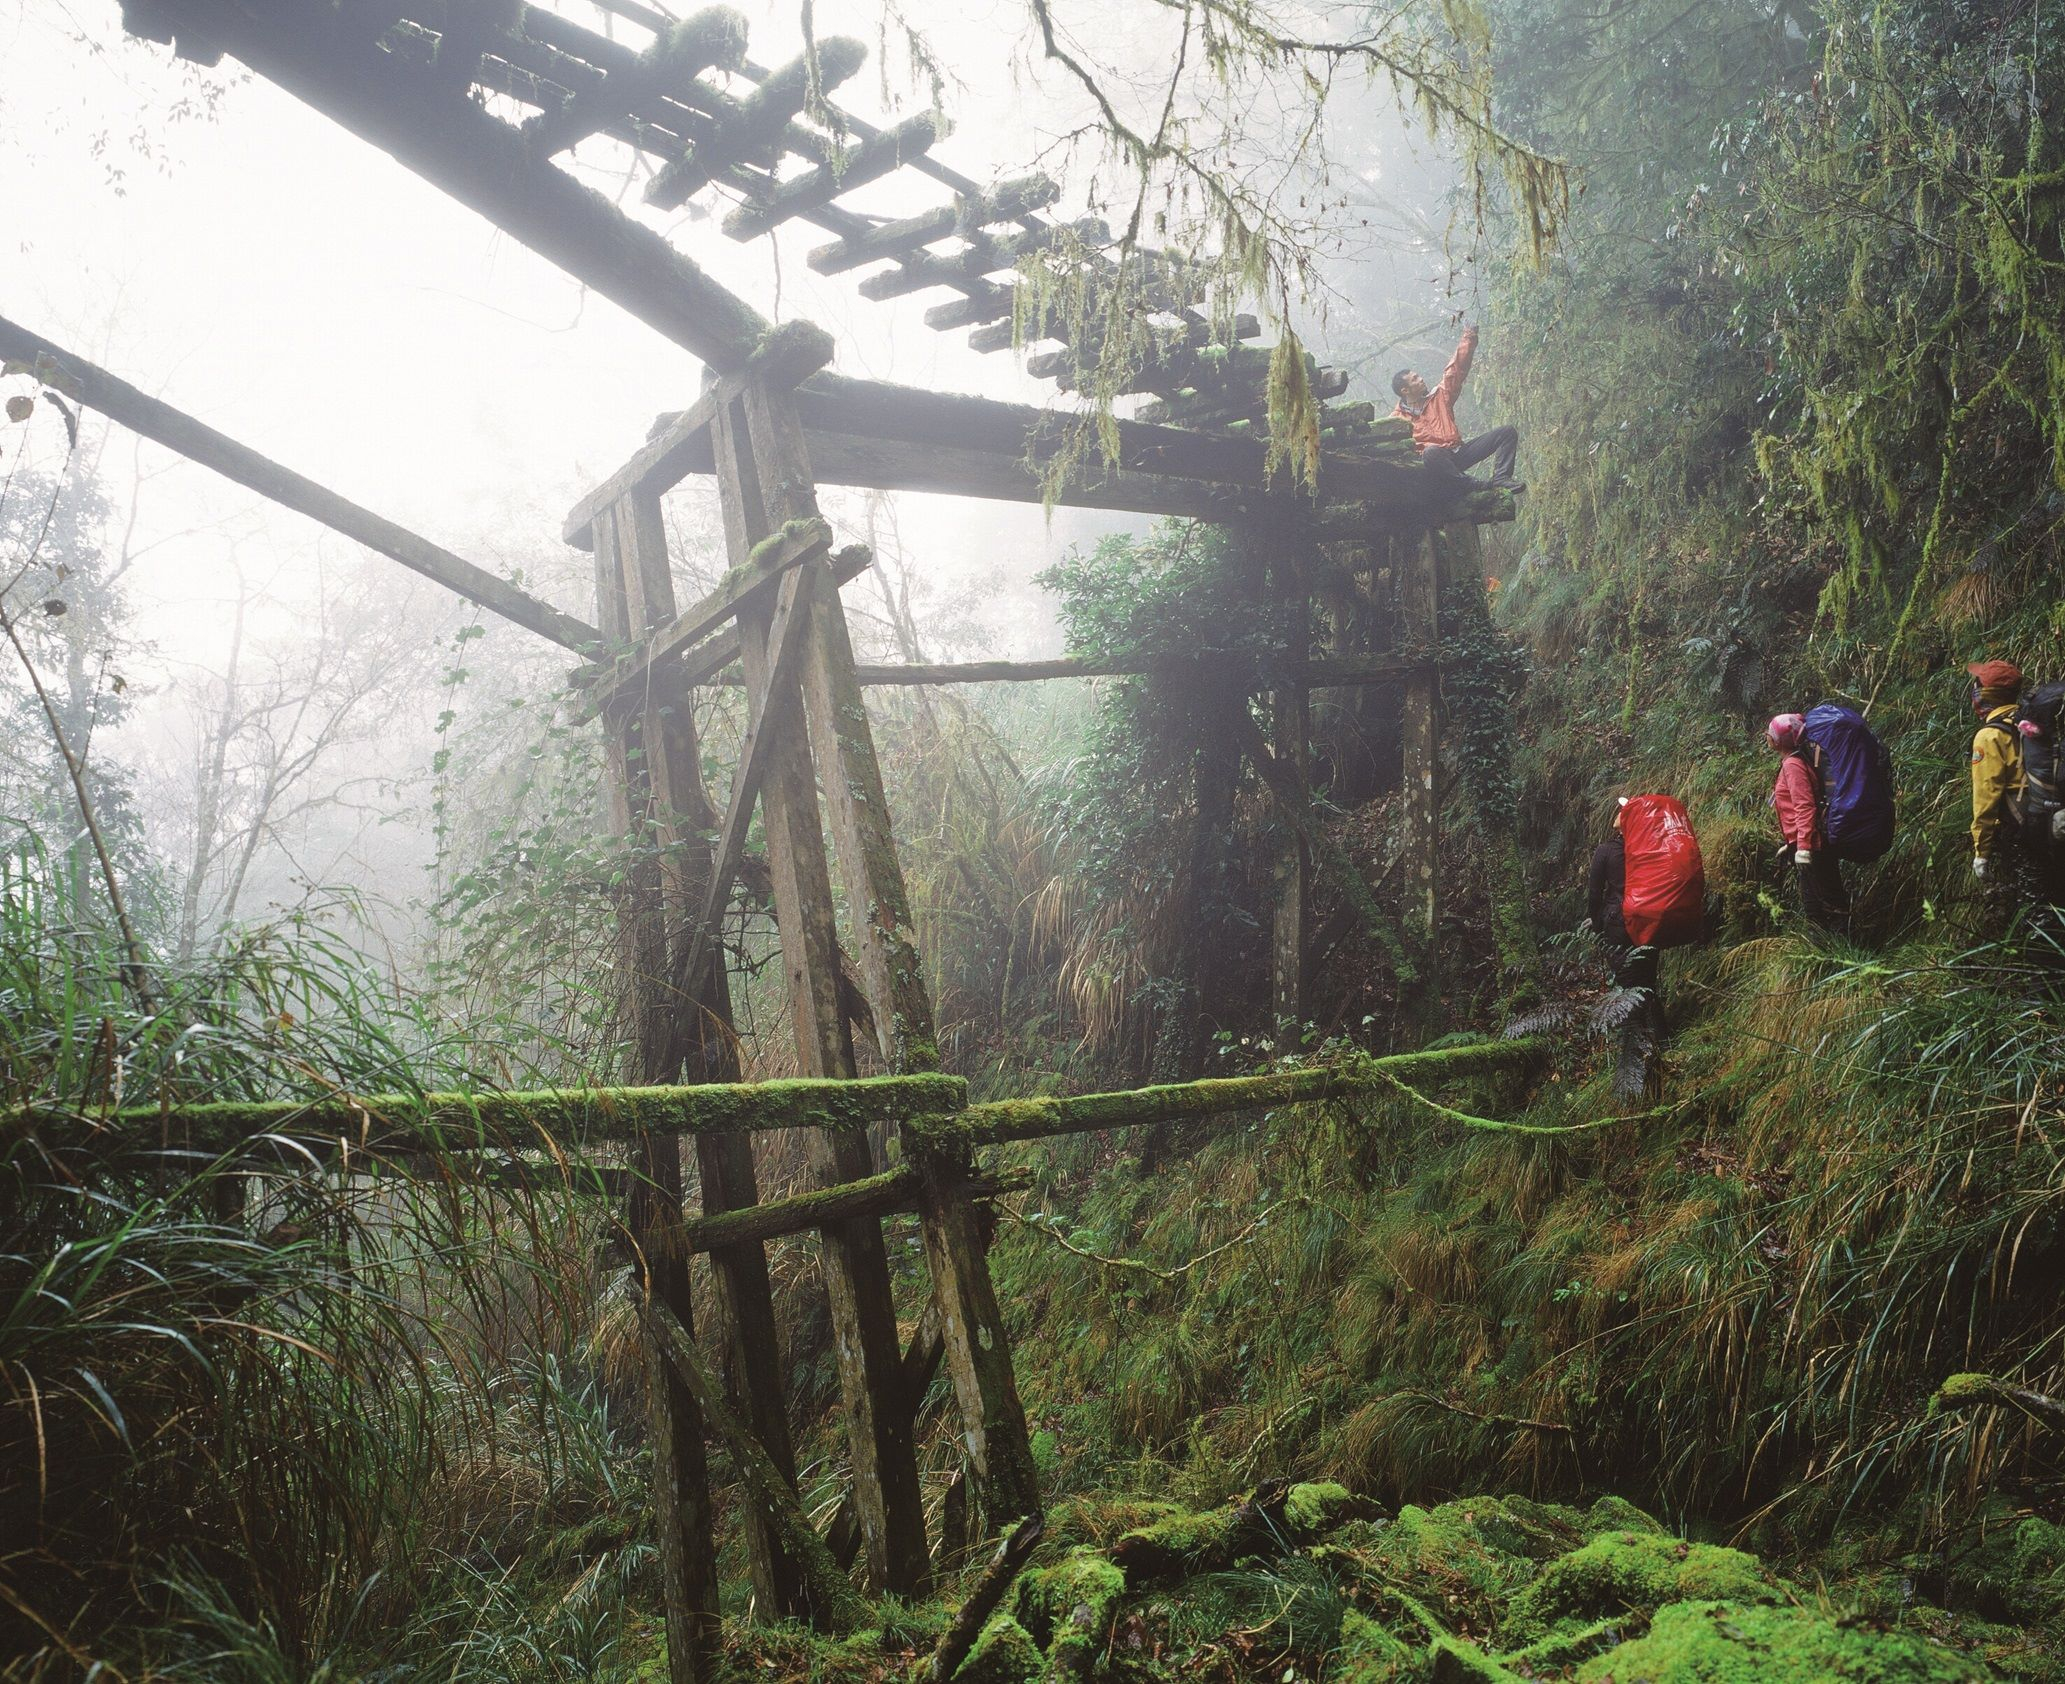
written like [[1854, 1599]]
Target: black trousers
[[1824, 896], [1501, 444]]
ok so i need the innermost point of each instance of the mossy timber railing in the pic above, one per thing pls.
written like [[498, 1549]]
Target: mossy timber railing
[[478, 97], [555, 1132]]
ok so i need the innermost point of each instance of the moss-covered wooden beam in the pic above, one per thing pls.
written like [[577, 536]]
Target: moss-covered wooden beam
[[873, 1195], [474, 1121], [1035, 1119]]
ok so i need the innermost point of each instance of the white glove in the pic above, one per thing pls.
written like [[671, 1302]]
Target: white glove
[[1978, 867], [1803, 856]]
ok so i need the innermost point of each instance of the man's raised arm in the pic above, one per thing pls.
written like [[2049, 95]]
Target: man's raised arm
[[1459, 364]]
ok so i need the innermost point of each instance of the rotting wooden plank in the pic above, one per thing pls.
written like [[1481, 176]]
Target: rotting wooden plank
[[1290, 732], [832, 1603], [67, 372], [764, 482], [978, 1348], [971, 1325], [884, 947], [869, 161], [694, 1004], [487, 166]]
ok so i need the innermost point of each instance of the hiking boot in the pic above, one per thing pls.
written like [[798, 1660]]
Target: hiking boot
[[1513, 486]]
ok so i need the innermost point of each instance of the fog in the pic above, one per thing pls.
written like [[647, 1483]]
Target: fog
[[208, 238]]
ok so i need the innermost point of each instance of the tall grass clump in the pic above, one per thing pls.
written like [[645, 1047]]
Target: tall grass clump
[[1736, 1308], [241, 1388]]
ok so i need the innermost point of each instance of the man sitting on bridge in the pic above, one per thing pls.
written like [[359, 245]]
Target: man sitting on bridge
[[1432, 411]]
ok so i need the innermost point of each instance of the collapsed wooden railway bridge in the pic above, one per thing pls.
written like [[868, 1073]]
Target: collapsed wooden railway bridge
[[478, 97]]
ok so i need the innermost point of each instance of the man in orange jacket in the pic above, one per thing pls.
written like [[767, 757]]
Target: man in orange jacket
[[1432, 411]]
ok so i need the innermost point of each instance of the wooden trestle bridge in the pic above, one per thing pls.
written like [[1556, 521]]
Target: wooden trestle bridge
[[478, 97]]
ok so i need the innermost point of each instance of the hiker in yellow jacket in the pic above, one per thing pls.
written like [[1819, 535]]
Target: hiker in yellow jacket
[[1996, 772]]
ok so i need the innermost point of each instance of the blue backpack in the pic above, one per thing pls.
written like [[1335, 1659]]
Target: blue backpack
[[1856, 777]]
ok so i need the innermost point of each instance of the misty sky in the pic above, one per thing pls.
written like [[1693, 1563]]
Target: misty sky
[[278, 278]]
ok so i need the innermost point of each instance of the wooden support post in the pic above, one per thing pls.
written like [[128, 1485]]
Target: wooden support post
[[1417, 563], [832, 1603], [1290, 725], [694, 1006], [763, 482], [977, 1348], [652, 1217]]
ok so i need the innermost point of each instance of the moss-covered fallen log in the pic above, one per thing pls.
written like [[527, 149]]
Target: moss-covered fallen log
[[448, 1122], [1034, 1119]]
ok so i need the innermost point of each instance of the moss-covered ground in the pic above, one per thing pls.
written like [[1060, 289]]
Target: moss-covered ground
[[1311, 1586]]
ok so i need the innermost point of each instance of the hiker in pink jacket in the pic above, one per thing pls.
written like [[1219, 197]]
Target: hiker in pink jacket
[[1797, 796]]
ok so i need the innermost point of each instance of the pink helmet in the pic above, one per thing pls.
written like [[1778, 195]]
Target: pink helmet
[[1784, 731]]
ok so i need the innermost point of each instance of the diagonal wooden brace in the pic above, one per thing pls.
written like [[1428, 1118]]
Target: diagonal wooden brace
[[798, 542], [778, 710]]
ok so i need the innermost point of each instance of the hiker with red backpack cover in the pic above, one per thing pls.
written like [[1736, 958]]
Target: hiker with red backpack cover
[[1646, 891]]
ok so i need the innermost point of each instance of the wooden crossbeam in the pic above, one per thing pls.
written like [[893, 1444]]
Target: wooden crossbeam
[[855, 167], [986, 254], [964, 217], [900, 438], [714, 38], [758, 121], [985, 303], [875, 1195], [72, 374], [996, 1121]]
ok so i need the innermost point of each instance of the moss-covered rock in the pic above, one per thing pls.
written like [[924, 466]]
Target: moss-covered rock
[[1005, 1653], [1183, 1543], [1465, 1560], [1068, 1609], [2013, 1569], [1369, 1654], [1313, 1510], [1728, 1643], [1631, 1572], [1452, 1660]]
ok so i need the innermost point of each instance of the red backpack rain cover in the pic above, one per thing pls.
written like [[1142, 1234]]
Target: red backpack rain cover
[[1664, 902]]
